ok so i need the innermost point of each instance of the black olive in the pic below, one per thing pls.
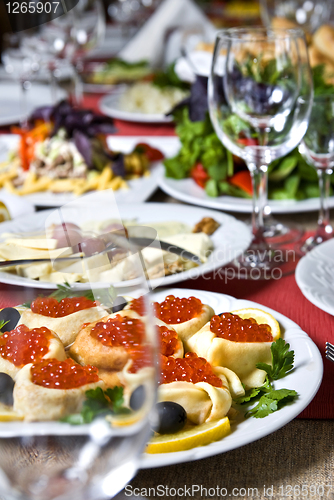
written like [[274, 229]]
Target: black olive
[[6, 389], [137, 398], [119, 304], [12, 316], [172, 417]]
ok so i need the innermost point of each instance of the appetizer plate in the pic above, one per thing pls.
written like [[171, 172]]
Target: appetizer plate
[[37, 95], [229, 240], [188, 191], [140, 189], [110, 105], [305, 379], [315, 276]]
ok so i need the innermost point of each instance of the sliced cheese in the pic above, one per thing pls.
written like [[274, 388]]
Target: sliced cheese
[[38, 243], [197, 243]]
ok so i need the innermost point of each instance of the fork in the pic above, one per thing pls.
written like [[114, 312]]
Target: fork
[[329, 352]]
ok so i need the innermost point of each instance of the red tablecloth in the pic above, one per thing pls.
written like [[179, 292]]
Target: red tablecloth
[[281, 295]]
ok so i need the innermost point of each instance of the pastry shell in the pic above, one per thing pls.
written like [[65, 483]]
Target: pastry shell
[[66, 327], [38, 403], [240, 357]]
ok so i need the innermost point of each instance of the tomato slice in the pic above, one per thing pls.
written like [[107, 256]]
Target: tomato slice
[[243, 181], [248, 141], [152, 154], [199, 174]]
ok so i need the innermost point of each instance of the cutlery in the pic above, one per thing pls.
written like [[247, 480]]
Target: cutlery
[[136, 242], [329, 352]]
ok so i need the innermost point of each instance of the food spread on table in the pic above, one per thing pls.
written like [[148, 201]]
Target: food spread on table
[[102, 366], [93, 237], [64, 150]]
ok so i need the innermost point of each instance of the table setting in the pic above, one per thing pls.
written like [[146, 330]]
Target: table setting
[[166, 251]]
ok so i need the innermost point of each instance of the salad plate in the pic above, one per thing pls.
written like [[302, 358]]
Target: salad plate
[[315, 276], [188, 191], [139, 189], [38, 95], [229, 240], [305, 379]]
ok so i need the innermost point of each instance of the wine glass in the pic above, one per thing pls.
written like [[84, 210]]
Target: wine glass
[[307, 14], [317, 147], [19, 65], [87, 31], [51, 459], [260, 96]]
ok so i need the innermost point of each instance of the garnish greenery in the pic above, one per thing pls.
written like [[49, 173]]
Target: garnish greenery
[[169, 78], [268, 398], [282, 360], [2, 324], [98, 403]]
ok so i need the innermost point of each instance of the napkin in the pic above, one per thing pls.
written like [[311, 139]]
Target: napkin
[[16, 205], [154, 41]]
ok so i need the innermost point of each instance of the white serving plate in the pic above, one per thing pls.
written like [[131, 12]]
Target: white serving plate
[[315, 276]]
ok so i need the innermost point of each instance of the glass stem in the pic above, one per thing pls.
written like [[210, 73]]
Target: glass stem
[[23, 105], [324, 229], [259, 181], [53, 84]]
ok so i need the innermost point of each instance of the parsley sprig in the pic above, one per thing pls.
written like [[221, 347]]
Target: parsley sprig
[[282, 360], [98, 403], [271, 399]]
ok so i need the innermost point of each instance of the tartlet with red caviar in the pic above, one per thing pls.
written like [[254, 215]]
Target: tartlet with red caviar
[[51, 389], [203, 391], [22, 346], [117, 346], [64, 317], [185, 315], [236, 343]]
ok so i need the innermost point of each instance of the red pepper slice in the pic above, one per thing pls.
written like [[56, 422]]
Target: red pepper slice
[[199, 174], [152, 154]]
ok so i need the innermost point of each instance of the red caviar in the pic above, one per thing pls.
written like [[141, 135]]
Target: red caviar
[[141, 357], [168, 341], [191, 368], [119, 331], [49, 306], [55, 374], [231, 327], [22, 346], [138, 305], [174, 310]]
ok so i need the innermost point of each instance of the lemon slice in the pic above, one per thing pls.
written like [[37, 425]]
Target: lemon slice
[[261, 317], [7, 414], [4, 214], [199, 435]]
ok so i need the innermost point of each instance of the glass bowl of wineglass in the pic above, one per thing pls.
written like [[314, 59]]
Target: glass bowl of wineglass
[[260, 96], [317, 147], [78, 369]]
